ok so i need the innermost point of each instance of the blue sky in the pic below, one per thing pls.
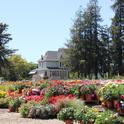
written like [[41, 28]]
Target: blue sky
[[40, 25]]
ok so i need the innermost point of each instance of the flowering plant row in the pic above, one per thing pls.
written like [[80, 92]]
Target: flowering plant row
[[54, 92]]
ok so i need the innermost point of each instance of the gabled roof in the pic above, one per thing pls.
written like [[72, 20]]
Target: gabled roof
[[51, 55]]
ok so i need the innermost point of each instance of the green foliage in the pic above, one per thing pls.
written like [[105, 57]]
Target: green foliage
[[44, 85], [117, 29], [66, 114], [42, 112], [74, 90], [5, 52], [74, 103], [88, 48], [57, 90], [6, 88], [15, 103], [49, 93], [4, 102], [80, 114], [107, 117], [88, 89], [90, 115], [111, 91], [24, 109], [19, 69]]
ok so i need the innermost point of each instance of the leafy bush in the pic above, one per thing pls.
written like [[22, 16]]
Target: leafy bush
[[107, 117], [87, 89], [74, 90], [4, 102], [15, 103], [66, 114], [80, 115], [90, 115], [65, 103], [57, 90], [111, 91], [24, 109], [42, 112], [7, 87], [44, 85], [2, 94]]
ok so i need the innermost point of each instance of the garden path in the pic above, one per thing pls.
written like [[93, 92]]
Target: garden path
[[14, 118]]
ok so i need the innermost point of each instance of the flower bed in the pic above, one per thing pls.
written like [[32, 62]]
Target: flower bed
[[47, 96]]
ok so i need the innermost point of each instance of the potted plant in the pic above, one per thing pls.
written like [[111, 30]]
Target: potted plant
[[108, 97], [67, 115], [51, 110], [74, 90], [88, 91], [107, 117], [116, 97], [14, 104], [24, 110], [80, 116], [90, 116]]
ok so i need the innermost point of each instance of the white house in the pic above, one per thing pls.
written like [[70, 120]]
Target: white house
[[51, 66]]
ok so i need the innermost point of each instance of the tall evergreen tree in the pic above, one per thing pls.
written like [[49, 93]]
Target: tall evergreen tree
[[5, 52], [74, 44], [118, 36], [92, 20], [88, 48]]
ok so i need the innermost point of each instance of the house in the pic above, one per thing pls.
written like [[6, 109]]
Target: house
[[51, 66]]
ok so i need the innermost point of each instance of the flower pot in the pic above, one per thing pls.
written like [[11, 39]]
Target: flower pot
[[90, 122], [81, 122], [98, 99], [120, 112], [20, 91], [109, 104], [82, 97], [11, 109], [68, 122], [88, 97], [115, 103], [103, 104]]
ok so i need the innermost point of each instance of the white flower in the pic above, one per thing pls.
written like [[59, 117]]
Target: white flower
[[99, 116], [106, 119]]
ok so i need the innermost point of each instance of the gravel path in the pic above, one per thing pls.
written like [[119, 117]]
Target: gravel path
[[14, 118]]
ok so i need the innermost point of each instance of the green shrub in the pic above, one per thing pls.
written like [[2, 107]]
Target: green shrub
[[87, 89], [24, 110], [90, 115], [4, 102], [66, 114], [74, 90], [80, 115], [107, 117], [44, 85], [15, 103], [42, 112]]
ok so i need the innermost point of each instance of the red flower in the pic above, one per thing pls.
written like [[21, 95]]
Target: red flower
[[34, 97], [55, 99], [122, 96]]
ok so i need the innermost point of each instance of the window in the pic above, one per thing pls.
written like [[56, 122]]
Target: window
[[60, 64], [45, 74]]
